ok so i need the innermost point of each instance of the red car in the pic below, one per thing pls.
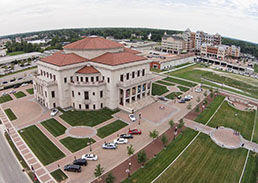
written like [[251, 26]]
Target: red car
[[135, 132]]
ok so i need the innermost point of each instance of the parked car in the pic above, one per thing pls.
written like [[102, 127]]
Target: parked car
[[179, 97], [12, 92], [132, 117], [25, 84], [90, 157], [181, 101], [12, 80], [53, 112], [4, 94], [80, 162], [5, 82], [120, 141], [135, 132], [109, 146], [198, 90], [72, 168], [163, 99], [188, 97], [16, 86], [19, 78], [126, 136]]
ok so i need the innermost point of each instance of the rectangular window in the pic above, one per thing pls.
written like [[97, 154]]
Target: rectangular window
[[143, 72], [53, 94], [86, 79], [87, 106], [81, 79], [92, 79], [97, 78], [80, 106], [65, 80], [94, 106], [54, 105], [133, 74], [103, 78], [86, 95], [108, 80], [127, 76], [138, 73], [79, 93], [72, 93], [45, 93], [121, 77], [71, 79], [77, 78], [101, 94], [54, 77], [101, 105]]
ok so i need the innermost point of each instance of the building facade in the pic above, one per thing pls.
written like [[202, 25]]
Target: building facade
[[93, 73]]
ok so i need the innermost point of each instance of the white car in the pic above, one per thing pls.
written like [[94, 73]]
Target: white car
[[25, 84], [109, 146], [53, 112], [12, 92], [198, 90], [90, 157], [189, 97], [120, 141], [132, 117]]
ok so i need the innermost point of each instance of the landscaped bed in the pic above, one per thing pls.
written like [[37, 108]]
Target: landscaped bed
[[156, 165], [41, 146], [59, 175], [158, 89], [19, 94], [204, 161], [87, 118], [110, 128], [173, 95], [30, 91], [10, 114], [76, 144], [5, 98], [54, 127], [182, 88]]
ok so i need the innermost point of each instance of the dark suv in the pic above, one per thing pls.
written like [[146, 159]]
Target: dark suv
[[80, 162], [72, 168]]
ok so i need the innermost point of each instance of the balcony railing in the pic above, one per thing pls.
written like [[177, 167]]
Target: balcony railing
[[135, 81], [77, 83], [44, 81]]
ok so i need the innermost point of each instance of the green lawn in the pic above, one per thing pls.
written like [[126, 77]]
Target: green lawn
[[158, 89], [5, 98], [15, 53], [54, 127], [75, 144], [255, 137], [87, 118], [156, 165], [183, 89], [19, 94], [251, 170], [226, 116], [59, 175], [181, 65], [165, 83], [173, 95], [110, 128], [179, 81], [256, 68], [30, 91], [10, 114], [41, 146], [204, 162], [209, 111]]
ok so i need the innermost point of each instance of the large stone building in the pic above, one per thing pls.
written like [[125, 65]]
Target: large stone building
[[93, 73]]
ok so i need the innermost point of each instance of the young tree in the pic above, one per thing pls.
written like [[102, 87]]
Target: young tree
[[198, 99], [98, 171], [164, 140], [110, 178], [205, 93], [181, 123], [189, 106], [142, 157], [154, 134], [171, 123], [130, 150]]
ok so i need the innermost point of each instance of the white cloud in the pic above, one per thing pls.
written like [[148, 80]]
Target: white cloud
[[233, 18]]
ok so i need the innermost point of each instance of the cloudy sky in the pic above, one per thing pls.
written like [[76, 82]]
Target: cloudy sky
[[231, 18]]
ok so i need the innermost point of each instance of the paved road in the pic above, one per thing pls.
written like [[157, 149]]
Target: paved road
[[10, 170]]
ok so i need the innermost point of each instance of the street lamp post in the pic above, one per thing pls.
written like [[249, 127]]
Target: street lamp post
[[128, 173], [90, 144]]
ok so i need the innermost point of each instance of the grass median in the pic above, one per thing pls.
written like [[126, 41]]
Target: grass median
[[173, 95], [41, 146], [59, 175], [5, 98], [54, 127], [158, 89], [180, 82], [30, 91], [10, 114], [19, 94], [165, 83], [110, 128], [87, 118], [76, 144]]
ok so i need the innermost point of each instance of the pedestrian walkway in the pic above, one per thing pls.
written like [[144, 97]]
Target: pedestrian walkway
[[40, 171]]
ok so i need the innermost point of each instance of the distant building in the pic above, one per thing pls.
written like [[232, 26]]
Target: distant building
[[219, 51], [203, 37], [149, 36]]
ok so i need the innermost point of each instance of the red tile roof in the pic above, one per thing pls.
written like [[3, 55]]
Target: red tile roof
[[88, 70], [93, 43], [62, 59], [117, 58], [131, 51]]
